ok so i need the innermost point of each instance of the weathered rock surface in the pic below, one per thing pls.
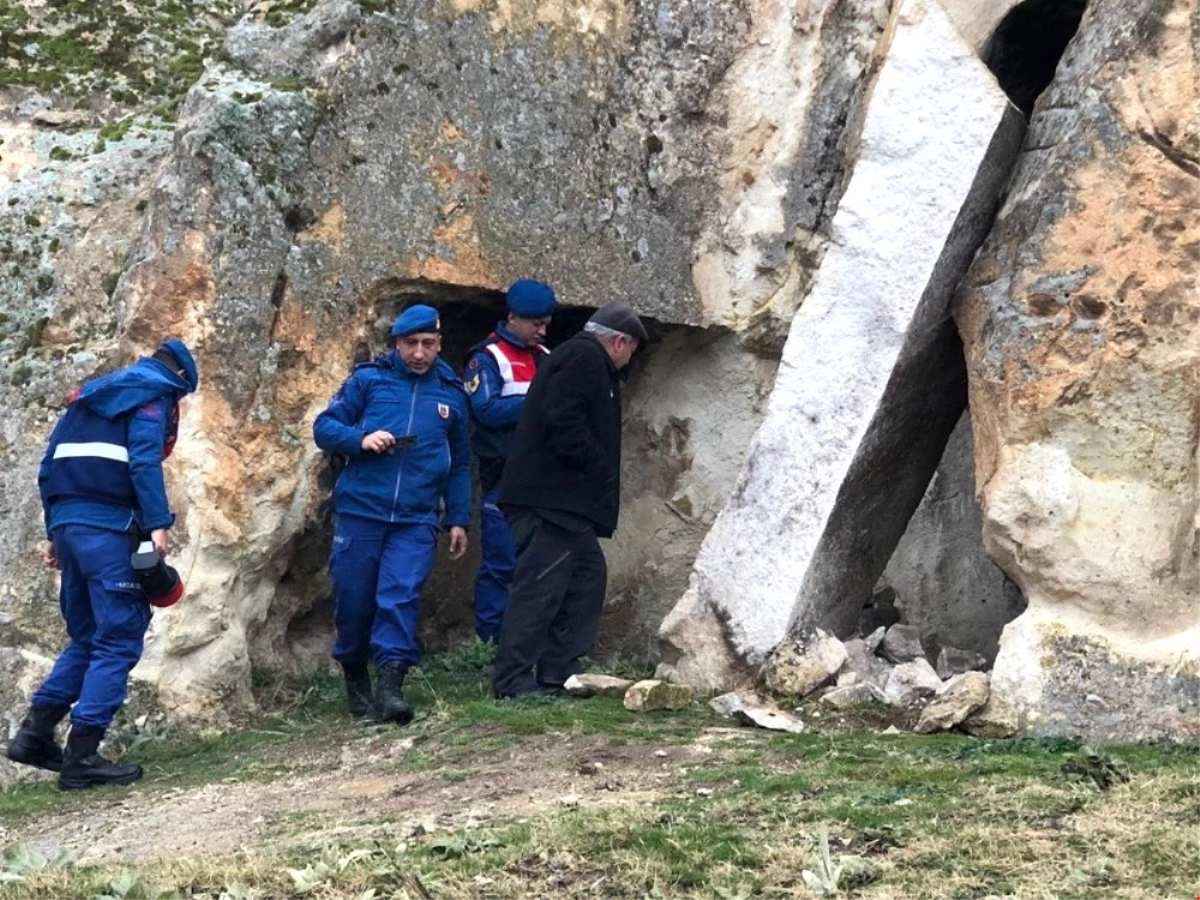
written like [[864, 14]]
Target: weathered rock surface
[[1081, 322], [593, 685], [902, 643], [869, 367], [961, 696], [801, 665], [912, 681], [951, 661], [689, 158], [946, 583], [651, 695], [20, 674]]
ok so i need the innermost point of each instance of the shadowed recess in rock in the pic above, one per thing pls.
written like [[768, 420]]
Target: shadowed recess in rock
[[1024, 50]]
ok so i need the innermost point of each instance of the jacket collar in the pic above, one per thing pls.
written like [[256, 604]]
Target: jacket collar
[[503, 333]]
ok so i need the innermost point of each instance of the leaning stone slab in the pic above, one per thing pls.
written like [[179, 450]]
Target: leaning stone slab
[[651, 695], [871, 381], [912, 681], [961, 696], [591, 685], [801, 665]]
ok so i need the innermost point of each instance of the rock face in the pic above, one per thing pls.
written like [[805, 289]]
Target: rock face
[[852, 435], [1082, 328], [689, 157]]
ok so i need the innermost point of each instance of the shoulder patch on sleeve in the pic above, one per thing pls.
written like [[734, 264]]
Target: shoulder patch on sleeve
[[472, 384], [155, 409]]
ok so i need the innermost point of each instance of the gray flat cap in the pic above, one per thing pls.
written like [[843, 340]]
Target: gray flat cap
[[619, 316]]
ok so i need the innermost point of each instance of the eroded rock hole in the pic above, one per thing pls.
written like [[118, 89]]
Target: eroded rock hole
[[1024, 50]]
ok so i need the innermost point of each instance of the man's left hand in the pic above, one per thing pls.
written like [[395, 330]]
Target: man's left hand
[[458, 542]]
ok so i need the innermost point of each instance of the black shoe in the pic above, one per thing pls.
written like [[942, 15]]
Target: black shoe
[[390, 705], [84, 767], [358, 689], [34, 743]]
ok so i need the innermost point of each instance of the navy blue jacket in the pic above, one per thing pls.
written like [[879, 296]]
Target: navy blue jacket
[[103, 465], [495, 415], [410, 483]]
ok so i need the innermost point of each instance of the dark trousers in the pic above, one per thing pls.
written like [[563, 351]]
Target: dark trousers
[[554, 605]]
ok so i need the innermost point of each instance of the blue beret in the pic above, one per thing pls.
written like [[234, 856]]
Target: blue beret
[[183, 356], [416, 319], [530, 299]]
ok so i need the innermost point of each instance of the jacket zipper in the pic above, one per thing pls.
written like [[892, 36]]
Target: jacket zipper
[[412, 409]]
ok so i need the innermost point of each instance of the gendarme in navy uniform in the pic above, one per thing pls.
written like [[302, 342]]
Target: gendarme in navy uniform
[[402, 421]]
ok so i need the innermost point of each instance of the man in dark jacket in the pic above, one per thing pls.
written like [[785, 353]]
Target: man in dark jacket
[[101, 483], [403, 422], [561, 491]]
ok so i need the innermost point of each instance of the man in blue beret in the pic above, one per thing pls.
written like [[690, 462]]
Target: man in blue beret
[[102, 488], [403, 423], [499, 370]]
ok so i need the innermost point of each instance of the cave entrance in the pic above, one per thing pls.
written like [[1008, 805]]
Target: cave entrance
[[1024, 50]]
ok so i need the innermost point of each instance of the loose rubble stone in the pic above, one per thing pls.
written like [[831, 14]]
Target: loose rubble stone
[[875, 638], [801, 665], [960, 697], [64, 118], [952, 661], [850, 696], [862, 665], [753, 711], [912, 681], [650, 695], [997, 719], [902, 644], [592, 685]]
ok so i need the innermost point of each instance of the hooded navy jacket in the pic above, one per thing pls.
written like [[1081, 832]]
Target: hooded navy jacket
[[103, 465], [431, 462]]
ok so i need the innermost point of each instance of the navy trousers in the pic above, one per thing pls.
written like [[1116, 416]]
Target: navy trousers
[[106, 615], [495, 569], [378, 570]]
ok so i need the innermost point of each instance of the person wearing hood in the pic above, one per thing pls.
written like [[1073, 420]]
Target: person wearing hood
[[102, 487], [403, 424], [499, 370]]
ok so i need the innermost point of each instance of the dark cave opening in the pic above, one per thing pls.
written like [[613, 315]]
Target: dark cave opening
[[1024, 50]]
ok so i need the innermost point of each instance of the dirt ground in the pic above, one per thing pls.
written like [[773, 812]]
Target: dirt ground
[[322, 790]]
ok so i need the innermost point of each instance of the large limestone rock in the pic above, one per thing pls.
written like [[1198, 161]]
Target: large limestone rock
[[961, 696], [798, 667], [1082, 327], [870, 386], [688, 156]]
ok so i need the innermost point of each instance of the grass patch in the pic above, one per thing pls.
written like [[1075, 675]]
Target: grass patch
[[931, 816]]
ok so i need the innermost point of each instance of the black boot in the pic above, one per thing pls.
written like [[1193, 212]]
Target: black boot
[[358, 689], [389, 695], [34, 743], [84, 767]]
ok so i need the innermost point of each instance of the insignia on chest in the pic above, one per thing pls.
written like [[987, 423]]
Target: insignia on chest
[[444, 410]]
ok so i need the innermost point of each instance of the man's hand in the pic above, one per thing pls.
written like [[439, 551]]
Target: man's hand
[[378, 442], [458, 542], [50, 555], [158, 537]]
